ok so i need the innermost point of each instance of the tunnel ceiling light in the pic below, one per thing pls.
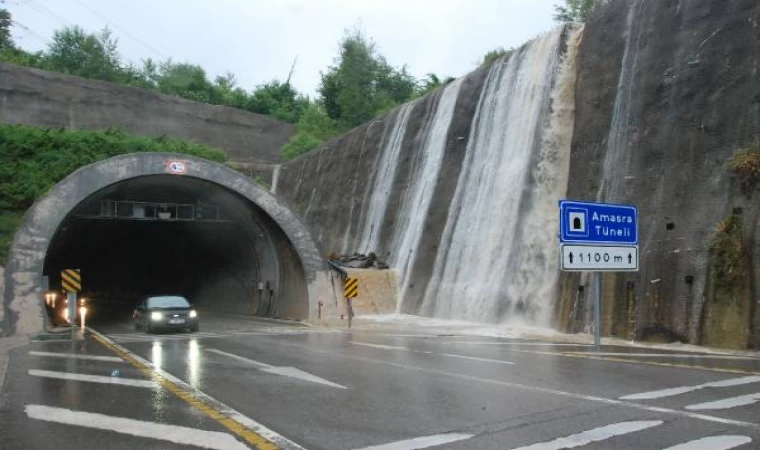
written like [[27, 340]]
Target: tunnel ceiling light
[[156, 316]]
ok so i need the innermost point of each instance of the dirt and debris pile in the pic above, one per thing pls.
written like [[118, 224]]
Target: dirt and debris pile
[[358, 261]]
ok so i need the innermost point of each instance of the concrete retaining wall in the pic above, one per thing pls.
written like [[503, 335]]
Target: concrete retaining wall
[[36, 97]]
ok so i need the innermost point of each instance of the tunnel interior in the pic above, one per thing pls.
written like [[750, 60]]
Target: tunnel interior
[[167, 234]]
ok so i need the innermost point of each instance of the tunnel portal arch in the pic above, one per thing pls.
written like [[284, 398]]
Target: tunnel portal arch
[[22, 311]]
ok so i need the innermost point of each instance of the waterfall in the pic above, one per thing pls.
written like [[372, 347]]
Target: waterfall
[[419, 193], [617, 140], [383, 181], [498, 253]]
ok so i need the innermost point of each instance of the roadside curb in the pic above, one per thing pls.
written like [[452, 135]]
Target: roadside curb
[[6, 345]]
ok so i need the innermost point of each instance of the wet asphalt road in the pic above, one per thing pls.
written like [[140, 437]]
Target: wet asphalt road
[[332, 389]]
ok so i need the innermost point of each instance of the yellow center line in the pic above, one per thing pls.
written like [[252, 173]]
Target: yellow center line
[[650, 363], [233, 425]]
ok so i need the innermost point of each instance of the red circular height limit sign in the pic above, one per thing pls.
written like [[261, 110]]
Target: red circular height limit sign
[[176, 167]]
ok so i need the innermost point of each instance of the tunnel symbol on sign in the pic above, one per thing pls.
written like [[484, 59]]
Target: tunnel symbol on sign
[[577, 222], [177, 167]]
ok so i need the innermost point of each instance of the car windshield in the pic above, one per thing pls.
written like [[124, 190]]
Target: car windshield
[[168, 302]]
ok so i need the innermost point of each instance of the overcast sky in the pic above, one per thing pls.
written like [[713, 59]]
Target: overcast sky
[[258, 40]]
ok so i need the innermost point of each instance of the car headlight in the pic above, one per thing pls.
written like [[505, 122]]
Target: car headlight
[[193, 313], [156, 316]]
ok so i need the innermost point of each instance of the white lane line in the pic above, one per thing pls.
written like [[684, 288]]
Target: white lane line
[[529, 388], [670, 392], [284, 371], [595, 435], [450, 355], [727, 403], [172, 433], [240, 358], [384, 347], [227, 411], [532, 344], [78, 356], [92, 378], [713, 443], [665, 355], [421, 442]]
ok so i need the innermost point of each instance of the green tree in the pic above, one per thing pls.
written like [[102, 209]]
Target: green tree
[[185, 80], [279, 100], [432, 82], [491, 57], [6, 41], [314, 128], [76, 52], [362, 83], [575, 10]]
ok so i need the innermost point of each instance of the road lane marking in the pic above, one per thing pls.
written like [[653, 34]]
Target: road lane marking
[[527, 344], [172, 433], [727, 403], [384, 347], [244, 427], [421, 442], [450, 355], [239, 358], [667, 355], [670, 392], [726, 442], [285, 371], [595, 435], [93, 378], [524, 387], [647, 363], [78, 356]]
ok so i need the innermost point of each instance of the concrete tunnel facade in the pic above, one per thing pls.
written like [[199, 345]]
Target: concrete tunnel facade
[[255, 242]]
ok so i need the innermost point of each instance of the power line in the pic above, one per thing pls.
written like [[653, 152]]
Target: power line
[[31, 32], [42, 9], [127, 33]]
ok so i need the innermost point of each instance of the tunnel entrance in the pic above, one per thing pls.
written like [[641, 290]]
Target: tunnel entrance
[[163, 234], [136, 227]]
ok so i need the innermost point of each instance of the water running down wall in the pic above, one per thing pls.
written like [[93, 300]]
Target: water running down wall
[[498, 252], [492, 265]]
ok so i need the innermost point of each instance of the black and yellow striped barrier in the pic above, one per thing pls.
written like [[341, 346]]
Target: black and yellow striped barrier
[[352, 287], [71, 280]]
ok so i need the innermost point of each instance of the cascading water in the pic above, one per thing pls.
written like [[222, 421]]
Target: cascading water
[[419, 194], [383, 181], [497, 259], [617, 140]]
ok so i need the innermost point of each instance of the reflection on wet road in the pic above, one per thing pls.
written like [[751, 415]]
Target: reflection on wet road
[[264, 384]]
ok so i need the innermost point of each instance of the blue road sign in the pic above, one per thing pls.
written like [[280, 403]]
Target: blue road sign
[[598, 223]]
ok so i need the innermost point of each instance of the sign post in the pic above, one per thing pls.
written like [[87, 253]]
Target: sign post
[[71, 281], [351, 291], [598, 237]]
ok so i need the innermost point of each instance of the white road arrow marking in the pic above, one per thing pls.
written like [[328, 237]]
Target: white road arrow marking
[[421, 442], [93, 378], [285, 371], [670, 392], [78, 356], [171, 433], [713, 443], [727, 403], [595, 435]]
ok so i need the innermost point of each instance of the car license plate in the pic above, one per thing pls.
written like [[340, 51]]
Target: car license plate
[[176, 321]]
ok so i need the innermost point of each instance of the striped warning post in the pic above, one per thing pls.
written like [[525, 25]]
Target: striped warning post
[[352, 287], [71, 280]]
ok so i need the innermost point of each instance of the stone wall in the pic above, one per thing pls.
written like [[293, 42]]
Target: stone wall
[[667, 93], [36, 97]]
